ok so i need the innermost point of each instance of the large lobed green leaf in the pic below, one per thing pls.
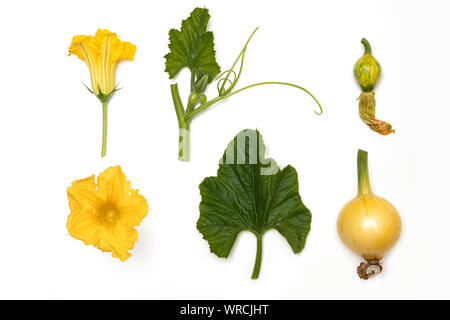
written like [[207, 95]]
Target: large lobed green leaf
[[192, 47], [251, 193]]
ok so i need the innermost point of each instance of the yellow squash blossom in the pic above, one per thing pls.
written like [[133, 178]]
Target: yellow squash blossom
[[101, 54], [104, 214]]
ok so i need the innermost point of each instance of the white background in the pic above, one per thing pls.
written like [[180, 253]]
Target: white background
[[50, 134]]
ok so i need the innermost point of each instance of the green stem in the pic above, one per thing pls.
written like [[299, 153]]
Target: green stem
[[183, 125], [105, 127], [366, 44], [205, 106], [363, 174], [184, 142], [257, 266], [179, 109], [192, 80]]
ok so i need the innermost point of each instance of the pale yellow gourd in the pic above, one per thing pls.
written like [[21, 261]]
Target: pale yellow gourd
[[368, 224]]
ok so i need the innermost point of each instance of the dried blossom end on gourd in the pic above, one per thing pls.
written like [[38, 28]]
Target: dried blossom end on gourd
[[367, 114]]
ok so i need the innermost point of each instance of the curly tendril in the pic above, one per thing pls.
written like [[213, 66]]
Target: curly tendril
[[221, 81], [224, 78], [227, 80], [221, 88]]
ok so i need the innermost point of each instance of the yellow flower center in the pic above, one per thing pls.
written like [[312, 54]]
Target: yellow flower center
[[110, 214]]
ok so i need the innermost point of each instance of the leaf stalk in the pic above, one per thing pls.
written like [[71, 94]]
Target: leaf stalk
[[257, 266]]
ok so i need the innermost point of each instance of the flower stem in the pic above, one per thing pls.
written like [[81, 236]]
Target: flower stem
[[363, 174], [257, 266], [105, 127]]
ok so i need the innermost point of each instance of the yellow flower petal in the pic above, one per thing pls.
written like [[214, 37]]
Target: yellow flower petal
[[113, 185], [133, 209], [84, 225], [83, 193], [118, 240], [124, 50], [75, 47]]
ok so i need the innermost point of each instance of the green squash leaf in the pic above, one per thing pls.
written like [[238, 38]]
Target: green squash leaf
[[192, 47], [251, 193]]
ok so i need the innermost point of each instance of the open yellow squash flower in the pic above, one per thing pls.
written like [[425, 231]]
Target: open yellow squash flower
[[101, 54], [105, 213]]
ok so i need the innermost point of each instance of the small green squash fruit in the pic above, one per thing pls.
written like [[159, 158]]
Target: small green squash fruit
[[193, 97], [203, 99], [367, 69]]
